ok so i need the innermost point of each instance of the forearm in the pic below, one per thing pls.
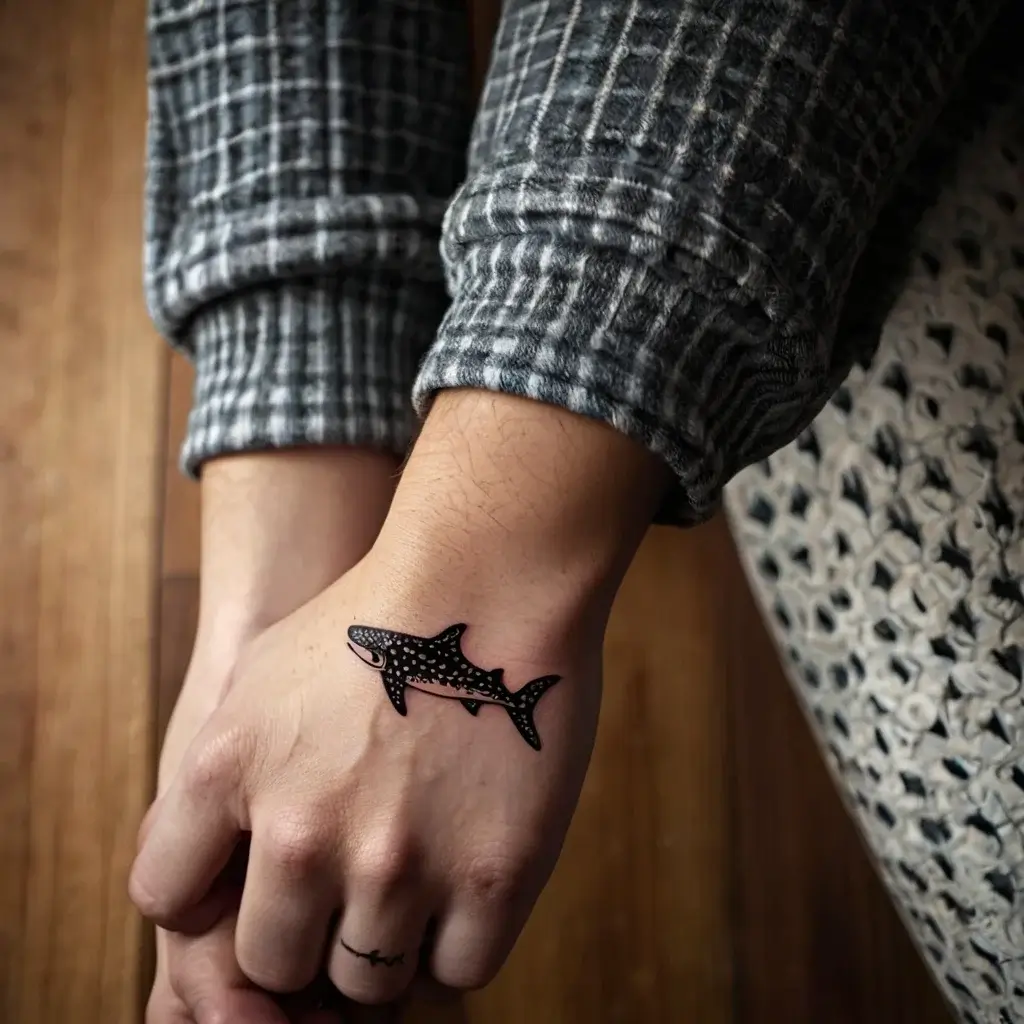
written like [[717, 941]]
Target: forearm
[[516, 509], [277, 528]]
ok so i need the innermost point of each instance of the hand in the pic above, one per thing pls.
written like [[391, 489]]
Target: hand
[[277, 529], [426, 822]]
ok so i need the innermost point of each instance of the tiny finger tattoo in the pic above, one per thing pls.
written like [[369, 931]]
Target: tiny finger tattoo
[[374, 956]]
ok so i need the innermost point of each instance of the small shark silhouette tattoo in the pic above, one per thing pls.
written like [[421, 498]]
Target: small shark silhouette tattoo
[[436, 665], [375, 956]]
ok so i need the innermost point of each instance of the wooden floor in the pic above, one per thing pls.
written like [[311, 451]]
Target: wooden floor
[[710, 875]]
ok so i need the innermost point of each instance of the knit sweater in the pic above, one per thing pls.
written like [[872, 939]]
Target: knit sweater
[[652, 219]]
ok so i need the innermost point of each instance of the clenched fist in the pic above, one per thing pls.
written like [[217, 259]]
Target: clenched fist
[[398, 776], [404, 752]]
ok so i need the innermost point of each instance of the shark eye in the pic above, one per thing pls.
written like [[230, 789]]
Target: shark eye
[[377, 658]]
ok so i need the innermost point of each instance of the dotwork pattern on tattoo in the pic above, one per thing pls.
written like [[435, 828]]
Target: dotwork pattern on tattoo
[[374, 956], [436, 665]]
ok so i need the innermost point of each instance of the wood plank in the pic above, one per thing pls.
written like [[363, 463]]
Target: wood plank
[[31, 126], [179, 582], [180, 550], [179, 612], [634, 926], [87, 388], [816, 936]]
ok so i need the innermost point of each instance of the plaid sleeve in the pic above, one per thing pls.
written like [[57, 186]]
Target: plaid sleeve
[[300, 158], [666, 202]]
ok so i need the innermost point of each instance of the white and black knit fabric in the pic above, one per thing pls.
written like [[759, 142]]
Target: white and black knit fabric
[[663, 207], [886, 546]]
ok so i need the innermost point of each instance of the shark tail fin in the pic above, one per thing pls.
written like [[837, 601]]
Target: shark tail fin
[[526, 700]]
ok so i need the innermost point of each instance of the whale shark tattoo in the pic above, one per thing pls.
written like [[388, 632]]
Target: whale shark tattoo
[[436, 665]]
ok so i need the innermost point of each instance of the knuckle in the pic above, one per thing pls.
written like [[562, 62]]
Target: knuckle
[[212, 1013], [153, 904], [384, 863], [491, 880], [296, 841], [211, 767]]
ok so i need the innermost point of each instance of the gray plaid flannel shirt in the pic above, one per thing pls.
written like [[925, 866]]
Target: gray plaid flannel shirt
[[654, 219]]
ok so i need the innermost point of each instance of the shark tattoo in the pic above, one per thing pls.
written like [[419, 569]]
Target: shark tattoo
[[375, 956], [436, 665]]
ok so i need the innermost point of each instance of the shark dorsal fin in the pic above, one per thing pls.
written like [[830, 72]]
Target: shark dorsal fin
[[451, 635]]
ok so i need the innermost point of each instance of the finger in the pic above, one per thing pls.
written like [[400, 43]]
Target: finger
[[287, 903], [425, 988], [193, 832], [473, 940], [205, 975], [374, 951], [222, 898], [245, 1004], [165, 1006], [147, 821]]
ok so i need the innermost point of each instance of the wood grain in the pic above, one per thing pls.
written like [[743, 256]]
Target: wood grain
[[32, 116], [180, 542], [81, 402]]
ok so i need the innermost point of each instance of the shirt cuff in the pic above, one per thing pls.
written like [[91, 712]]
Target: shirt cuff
[[698, 352], [311, 361]]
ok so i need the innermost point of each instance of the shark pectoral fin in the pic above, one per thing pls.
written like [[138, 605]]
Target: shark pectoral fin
[[522, 718], [395, 689], [472, 706]]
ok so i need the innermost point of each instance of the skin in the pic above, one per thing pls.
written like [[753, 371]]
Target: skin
[[514, 516], [277, 529]]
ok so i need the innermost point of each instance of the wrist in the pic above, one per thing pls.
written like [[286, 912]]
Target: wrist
[[278, 528], [510, 501]]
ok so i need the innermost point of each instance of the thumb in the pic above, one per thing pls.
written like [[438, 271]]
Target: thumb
[[147, 823], [237, 1004], [211, 984], [191, 833]]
